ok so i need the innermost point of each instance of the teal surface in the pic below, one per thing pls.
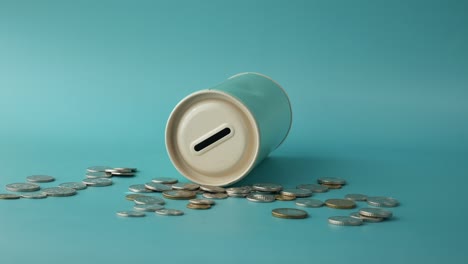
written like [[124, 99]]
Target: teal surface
[[378, 90]]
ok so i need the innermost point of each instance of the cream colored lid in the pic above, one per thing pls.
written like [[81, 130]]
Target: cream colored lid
[[212, 138]]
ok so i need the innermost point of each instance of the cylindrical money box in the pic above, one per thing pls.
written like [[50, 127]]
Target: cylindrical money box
[[217, 136]]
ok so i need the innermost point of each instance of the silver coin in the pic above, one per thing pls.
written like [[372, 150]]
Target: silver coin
[[22, 187], [34, 195], [149, 200], [267, 187], [309, 203], [157, 187], [261, 198], [98, 182], [316, 188], [215, 195], [74, 185], [239, 190], [40, 178], [97, 174], [185, 186], [332, 180], [237, 195], [356, 197], [169, 212], [364, 218], [9, 196], [98, 168], [139, 188], [122, 169], [122, 173], [164, 180], [148, 207], [59, 191], [202, 201], [344, 221], [297, 192], [375, 212], [212, 189], [130, 214], [381, 201]]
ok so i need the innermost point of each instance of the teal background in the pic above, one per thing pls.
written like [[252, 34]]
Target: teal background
[[379, 95]]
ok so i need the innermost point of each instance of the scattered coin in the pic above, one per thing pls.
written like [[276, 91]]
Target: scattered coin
[[148, 207], [59, 191], [164, 180], [202, 201], [34, 195], [381, 201], [212, 189], [281, 197], [289, 213], [375, 212], [22, 187], [316, 188], [309, 203], [169, 212], [366, 218], [198, 206], [40, 178], [139, 188], [356, 197], [133, 196], [8, 196], [261, 198], [130, 214], [179, 194], [267, 187], [238, 191], [98, 182], [74, 185], [344, 221], [332, 186], [340, 203], [215, 195], [122, 170], [97, 174], [297, 192], [98, 168], [331, 180], [185, 186], [237, 195], [149, 200], [157, 187], [122, 173]]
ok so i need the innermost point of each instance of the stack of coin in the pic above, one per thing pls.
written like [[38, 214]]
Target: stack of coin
[[238, 191], [200, 204], [106, 172], [331, 182], [372, 215]]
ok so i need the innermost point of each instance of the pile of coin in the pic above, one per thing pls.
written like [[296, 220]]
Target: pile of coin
[[170, 188], [96, 176]]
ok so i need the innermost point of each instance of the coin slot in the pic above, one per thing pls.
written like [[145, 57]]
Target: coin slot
[[212, 139]]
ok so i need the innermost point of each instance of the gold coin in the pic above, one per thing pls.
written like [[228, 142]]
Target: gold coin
[[289, 213], [282, 197], [179, 194], [340, 203], [332, 186], [198, 206], [133, 196]]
